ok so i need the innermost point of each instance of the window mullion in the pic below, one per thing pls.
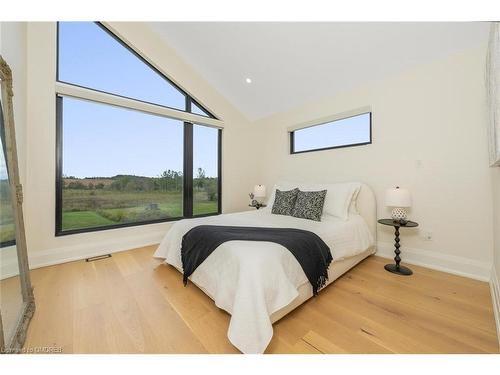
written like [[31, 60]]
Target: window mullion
[[219, 171], [188, 170], [59, 163]]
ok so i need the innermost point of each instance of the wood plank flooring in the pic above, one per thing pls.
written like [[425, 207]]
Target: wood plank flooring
[[131, 303], [11, 304]]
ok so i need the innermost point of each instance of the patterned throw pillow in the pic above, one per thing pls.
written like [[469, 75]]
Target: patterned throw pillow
[[309, 205], [284, 202]]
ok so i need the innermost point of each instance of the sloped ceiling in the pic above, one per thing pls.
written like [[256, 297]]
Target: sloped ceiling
[[292, 64]]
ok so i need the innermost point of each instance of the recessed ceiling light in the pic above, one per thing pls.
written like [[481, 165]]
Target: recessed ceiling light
[[248, 80]]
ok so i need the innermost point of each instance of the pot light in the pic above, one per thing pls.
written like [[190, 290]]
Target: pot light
[[248, 80]]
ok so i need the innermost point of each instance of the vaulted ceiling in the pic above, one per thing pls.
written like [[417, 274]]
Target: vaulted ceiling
[[291, 64]]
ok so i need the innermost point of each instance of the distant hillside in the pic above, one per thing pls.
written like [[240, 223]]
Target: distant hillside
[[102, 180], [106, 181], [168, 181]]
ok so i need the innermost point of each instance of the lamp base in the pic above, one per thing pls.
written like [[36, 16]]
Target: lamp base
[[399, 270], [399, 213]]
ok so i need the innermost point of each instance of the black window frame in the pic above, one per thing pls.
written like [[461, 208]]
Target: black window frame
[[147, 63], [187, 153], [292, 135]]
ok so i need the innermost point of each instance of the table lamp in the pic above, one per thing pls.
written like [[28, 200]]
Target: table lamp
[[399, 199], [259, 192]]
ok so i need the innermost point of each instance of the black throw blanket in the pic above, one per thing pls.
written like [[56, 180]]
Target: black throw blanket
[[308, 248]]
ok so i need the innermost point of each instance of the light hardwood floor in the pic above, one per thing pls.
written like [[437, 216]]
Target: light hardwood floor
[[131, 303], [11, 304]]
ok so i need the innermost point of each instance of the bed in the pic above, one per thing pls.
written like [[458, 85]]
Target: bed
[[258, 283]]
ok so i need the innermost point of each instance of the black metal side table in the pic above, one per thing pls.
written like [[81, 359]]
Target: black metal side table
[[397, 268]]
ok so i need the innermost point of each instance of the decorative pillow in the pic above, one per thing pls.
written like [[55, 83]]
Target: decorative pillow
[[309, 205], [284, 202], [340, 199]]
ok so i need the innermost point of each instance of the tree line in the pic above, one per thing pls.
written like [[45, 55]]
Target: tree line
[[168, 181]]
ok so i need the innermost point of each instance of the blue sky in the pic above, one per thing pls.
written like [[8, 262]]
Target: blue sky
[[101, 140], [350, 130], [3, 165]]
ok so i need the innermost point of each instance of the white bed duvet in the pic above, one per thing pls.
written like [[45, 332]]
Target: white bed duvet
[[252, 280]]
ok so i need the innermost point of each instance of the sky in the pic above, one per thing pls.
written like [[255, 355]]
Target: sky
[[350, 130], [3, 165], [101, 140]]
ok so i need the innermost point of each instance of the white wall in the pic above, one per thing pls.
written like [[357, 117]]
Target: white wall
[[13, 50], [429, 135], [43, 246]]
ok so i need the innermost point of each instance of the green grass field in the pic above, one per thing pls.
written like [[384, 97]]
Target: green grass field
[[7, 226], [204, 207], [84, 219], [84, 208]]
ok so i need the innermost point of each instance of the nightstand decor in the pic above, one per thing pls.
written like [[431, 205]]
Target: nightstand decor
[[257, 197], [259, 191], [399, 199], [398, 268]]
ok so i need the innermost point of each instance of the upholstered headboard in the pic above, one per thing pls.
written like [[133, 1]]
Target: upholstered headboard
[[367, 208]]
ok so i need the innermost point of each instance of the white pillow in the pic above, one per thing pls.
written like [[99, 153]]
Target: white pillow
[[340, 198], [353, 207]]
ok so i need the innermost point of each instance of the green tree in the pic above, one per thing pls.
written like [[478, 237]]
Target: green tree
[[199, 181], [212, 189]]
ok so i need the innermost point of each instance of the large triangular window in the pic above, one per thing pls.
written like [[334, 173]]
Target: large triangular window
[[132, 147], [90, 56]]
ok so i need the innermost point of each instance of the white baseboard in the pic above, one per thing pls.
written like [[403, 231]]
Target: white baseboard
[[59, 255], [447, 263], [68, 254], [461, 266], [495, 299]]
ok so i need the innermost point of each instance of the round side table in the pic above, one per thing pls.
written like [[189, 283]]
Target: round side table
[[397, 268]]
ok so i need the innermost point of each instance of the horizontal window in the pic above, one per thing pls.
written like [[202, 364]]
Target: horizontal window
[[350, 131]]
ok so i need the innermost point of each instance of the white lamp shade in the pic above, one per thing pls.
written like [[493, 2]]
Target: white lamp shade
[[259, 191], [397, 197]]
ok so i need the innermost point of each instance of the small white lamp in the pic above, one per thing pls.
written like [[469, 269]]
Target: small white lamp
[[399, 199], [259, 192]]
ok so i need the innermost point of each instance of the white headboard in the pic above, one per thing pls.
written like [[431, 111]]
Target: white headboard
[[367, 208], [366, 202]]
